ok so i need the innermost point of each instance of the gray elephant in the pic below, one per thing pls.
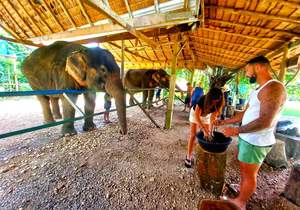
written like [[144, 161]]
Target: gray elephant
[[64, 65], [146, 78]]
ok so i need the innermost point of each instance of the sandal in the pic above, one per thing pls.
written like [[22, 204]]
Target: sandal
[[188, 162]]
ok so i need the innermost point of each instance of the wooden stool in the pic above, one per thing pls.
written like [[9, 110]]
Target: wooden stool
[[207, 204], [292, 188], [211, 170]]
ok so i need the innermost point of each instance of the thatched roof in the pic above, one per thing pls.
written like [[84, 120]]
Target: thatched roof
[[227, 32]]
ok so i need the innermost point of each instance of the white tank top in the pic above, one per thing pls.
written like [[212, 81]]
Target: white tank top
[[263, 137]]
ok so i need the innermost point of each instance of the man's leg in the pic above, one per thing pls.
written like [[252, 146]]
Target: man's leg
[[248, 183]]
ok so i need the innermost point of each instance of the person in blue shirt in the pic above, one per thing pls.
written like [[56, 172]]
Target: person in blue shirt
[[196, 94], [107, 106]]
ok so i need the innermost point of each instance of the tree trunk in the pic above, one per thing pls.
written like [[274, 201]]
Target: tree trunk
[[216, 205], [277, 156], [292, 188], [211, 170]]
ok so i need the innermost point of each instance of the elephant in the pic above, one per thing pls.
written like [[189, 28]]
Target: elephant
[[146, 78], [69, 66]]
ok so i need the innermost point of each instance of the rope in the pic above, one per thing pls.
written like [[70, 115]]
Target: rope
[[52, 124], [39, 92]]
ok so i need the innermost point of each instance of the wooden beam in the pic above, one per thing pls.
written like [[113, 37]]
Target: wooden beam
[[261, 15], [67, 13], [186, 4], [128, 9], [250, 27], [13, 20], [29, 17], [290, 4], [126, 50], [9, 30], [112, 15], [243, 36], [218, 49], [156, 6], [52, 15], [25, 42], [291, 46], [210, 55], [230, 43], [122, 61], [283, 64], [162, 20], [221, 56], [170, 106], [38, 14], [85, 14]]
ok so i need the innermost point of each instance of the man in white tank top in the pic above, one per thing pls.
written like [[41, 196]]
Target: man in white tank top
[[256, 134]]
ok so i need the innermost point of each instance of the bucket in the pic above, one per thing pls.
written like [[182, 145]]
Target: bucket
[[218, 144]]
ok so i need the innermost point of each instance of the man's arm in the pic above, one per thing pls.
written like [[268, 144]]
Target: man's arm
[[271, 98]]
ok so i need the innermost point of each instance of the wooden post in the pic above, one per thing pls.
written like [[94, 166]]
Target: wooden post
[[122, 61], [15, 74], [170, 106], [211, 170], [283, 65], [292, 188], [192, 76]]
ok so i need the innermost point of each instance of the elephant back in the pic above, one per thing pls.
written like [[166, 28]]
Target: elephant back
[[45, 67]]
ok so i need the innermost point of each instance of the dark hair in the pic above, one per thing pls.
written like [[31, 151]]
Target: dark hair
[[259, 59], [214, 94]]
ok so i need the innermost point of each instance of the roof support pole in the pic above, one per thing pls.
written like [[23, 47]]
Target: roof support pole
[[192, 75], [283, 65], [170, 106], [122, 61]]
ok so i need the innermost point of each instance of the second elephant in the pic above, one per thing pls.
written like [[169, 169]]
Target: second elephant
[[146, 78]]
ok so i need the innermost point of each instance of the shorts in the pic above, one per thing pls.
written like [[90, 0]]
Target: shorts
[[107, 105], [187, 100], [249, 153]]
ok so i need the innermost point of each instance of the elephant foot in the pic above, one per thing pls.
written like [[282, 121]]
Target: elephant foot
[[88, 126], [49, 120], [68, 131], [131, 103], [57, 116]]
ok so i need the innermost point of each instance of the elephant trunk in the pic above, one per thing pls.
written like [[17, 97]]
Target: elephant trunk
[[115, 88]]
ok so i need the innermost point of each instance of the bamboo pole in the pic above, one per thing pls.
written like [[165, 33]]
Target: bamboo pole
[[15, 73], [122, 60], [283, 65], [170, 106]]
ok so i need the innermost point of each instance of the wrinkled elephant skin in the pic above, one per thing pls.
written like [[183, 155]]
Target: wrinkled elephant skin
[[146, 78], [63, 66]]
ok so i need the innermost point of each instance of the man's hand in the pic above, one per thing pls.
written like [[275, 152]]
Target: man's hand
[[219, 122], [230, 131]]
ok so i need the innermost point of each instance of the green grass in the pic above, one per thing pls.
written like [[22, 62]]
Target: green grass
[[289, 111]]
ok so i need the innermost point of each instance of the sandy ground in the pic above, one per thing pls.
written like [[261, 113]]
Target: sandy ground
[[102, 169]]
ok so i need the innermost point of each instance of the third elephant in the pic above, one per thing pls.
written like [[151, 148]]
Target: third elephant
[[144, 79]]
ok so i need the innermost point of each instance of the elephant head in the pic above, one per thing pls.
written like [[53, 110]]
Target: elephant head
[[96, 69], [161, 78]]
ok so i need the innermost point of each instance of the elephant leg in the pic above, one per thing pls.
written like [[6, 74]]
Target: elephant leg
[[68, 112], [89, 108], [131, 101], [55, 108], [150, 98], [145, 96], [44, 100]]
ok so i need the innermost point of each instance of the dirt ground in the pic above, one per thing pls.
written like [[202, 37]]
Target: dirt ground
[[102, 169]]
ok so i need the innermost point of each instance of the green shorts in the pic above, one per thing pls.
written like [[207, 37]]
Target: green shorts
[[249, 153]]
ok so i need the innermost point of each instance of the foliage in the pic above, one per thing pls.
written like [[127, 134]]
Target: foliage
[[7, 63], [219, 76]]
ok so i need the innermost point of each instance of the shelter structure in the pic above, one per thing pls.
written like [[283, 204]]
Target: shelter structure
[[164, 33]]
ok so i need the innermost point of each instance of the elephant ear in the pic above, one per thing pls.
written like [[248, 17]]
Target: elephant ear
[[76, 67], [156, 77]]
